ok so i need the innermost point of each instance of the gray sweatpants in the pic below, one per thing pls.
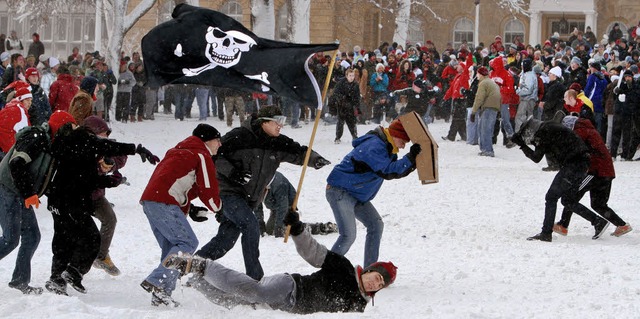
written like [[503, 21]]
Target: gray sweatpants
[[107, 217], [278, 291]]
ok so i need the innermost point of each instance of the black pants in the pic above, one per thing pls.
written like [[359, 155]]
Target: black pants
[[108, 98], [599, 189], [351, 125], [566, 186], [123, 102], [459, 120], [138, 100], [75, 244]]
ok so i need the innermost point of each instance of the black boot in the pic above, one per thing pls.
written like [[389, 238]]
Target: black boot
[[74, 278], [541, 237]]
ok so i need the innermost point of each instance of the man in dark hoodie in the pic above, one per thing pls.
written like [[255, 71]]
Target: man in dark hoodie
[[572, 155], [76, 239], [246, 163], [24, 174]]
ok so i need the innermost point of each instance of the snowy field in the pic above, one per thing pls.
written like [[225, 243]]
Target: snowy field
[[459, 244]]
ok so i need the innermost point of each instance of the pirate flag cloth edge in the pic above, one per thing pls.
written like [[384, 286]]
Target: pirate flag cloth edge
[[203, 46]]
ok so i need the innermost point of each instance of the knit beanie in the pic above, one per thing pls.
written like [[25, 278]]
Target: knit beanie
[[397, 130], [386, 269], [58, 119], [206, 132]]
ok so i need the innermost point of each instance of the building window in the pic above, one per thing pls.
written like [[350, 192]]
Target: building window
[[462, 32], [232, 9], [565, 29], [282, 23], [512, 30], [623, 28], [415, 31]]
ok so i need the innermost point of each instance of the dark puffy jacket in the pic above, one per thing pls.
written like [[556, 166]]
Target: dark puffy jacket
[[248, 149], [557, 141], [601, 162], [345, 98], [76, 152], [553, 99], [596, 84], [40, 110]]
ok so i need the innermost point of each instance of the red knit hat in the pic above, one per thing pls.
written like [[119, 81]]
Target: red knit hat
[[386, 269], [23, 93], [397, 130], [576, 87], [484, 71], [31, 71], [58, 119]]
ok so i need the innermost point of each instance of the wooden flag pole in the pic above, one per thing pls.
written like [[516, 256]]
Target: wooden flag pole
[[313, 135]]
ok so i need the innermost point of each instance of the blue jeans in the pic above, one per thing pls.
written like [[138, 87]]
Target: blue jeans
[[472, 129], [346, 209], [19, 225], [486, 125], [506, 120], [174, 234], [202, 98], [238, 218]]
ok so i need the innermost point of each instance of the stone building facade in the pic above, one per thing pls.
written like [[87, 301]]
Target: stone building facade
[[357, 22]]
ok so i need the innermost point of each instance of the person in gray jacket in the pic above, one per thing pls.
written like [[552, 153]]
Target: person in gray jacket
[[126, 81], [528, 92]]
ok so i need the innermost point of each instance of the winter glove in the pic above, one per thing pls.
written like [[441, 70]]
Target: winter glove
[[414, 150], [517, 139], [197, 213], [110, 181], [320, 163], [32, 201], [473, 117], [464, 91], [145, 155], [293, 219], [240, 177], [220, 217]]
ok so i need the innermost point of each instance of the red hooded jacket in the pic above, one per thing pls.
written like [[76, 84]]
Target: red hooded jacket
[[601, 162], [12, 119], [460, 81], [503, 78], [62, 92], [186, 172]]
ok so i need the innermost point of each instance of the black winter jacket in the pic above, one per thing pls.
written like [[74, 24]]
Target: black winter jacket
[[76, 152], [557, 141], [248, 149], [345, 99], [553, 99]]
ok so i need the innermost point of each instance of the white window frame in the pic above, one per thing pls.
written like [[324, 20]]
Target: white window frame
[[511, 33], [459, 31]]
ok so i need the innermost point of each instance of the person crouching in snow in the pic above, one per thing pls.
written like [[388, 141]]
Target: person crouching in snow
[[572, 155], [186, 171], [338, 286], [354, 182], [76, 239], [24, 175]]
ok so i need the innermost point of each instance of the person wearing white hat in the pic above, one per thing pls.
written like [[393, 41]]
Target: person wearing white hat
[[49, 74]]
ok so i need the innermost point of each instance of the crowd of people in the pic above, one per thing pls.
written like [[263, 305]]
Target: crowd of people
[[575, 101]]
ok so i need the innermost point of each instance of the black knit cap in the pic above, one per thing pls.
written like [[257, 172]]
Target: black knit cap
[[269, 111], [206, 132]]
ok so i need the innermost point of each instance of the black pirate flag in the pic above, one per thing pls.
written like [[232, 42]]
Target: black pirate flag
[[202, 46]]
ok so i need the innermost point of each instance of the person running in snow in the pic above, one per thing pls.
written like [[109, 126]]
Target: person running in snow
[[598, 181], [76, 239], [572, 156], [24, 175], [186, 172], [247, 161], [354, 182], [338, 286]]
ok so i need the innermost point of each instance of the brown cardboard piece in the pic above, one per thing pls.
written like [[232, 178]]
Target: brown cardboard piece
[[427, 160]]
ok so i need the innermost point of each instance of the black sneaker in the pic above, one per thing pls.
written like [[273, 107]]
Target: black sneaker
[[26, 289], [541, 237], [601, 226], [74, 278], [58, 287]]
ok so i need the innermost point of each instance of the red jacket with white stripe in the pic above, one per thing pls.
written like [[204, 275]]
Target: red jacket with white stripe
[[13, 118], [186, 172]]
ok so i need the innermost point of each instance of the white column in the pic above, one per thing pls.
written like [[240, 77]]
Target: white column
[[476, 36], [590, 21], [534, 28], [97, 46]]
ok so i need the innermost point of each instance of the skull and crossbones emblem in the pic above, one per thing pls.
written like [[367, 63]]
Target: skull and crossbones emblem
[[223, 49]]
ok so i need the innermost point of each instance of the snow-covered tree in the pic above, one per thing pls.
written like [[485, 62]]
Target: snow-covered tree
[[263, 18], [403, 15], [300, 15]]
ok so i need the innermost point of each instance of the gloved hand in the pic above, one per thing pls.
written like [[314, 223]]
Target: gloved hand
[[109, 181], [473, 117], [321, 162], [197, 213], [414, 150], [219, 217], [464, 91], [293, 219], [125, 81], [517, 139], [435, 88], [145, 155], [240, 177], [32, 201]]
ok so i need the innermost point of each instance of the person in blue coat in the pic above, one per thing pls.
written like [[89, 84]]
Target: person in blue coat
[[596, 84], [357, 179]]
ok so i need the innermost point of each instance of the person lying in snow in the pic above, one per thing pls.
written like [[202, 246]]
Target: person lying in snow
[[337, 287]]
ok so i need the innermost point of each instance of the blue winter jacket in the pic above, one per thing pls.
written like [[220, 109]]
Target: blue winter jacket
[[371, 161], [596, 83]]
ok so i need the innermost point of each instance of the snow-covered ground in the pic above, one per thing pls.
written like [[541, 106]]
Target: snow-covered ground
[[459, 244]]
